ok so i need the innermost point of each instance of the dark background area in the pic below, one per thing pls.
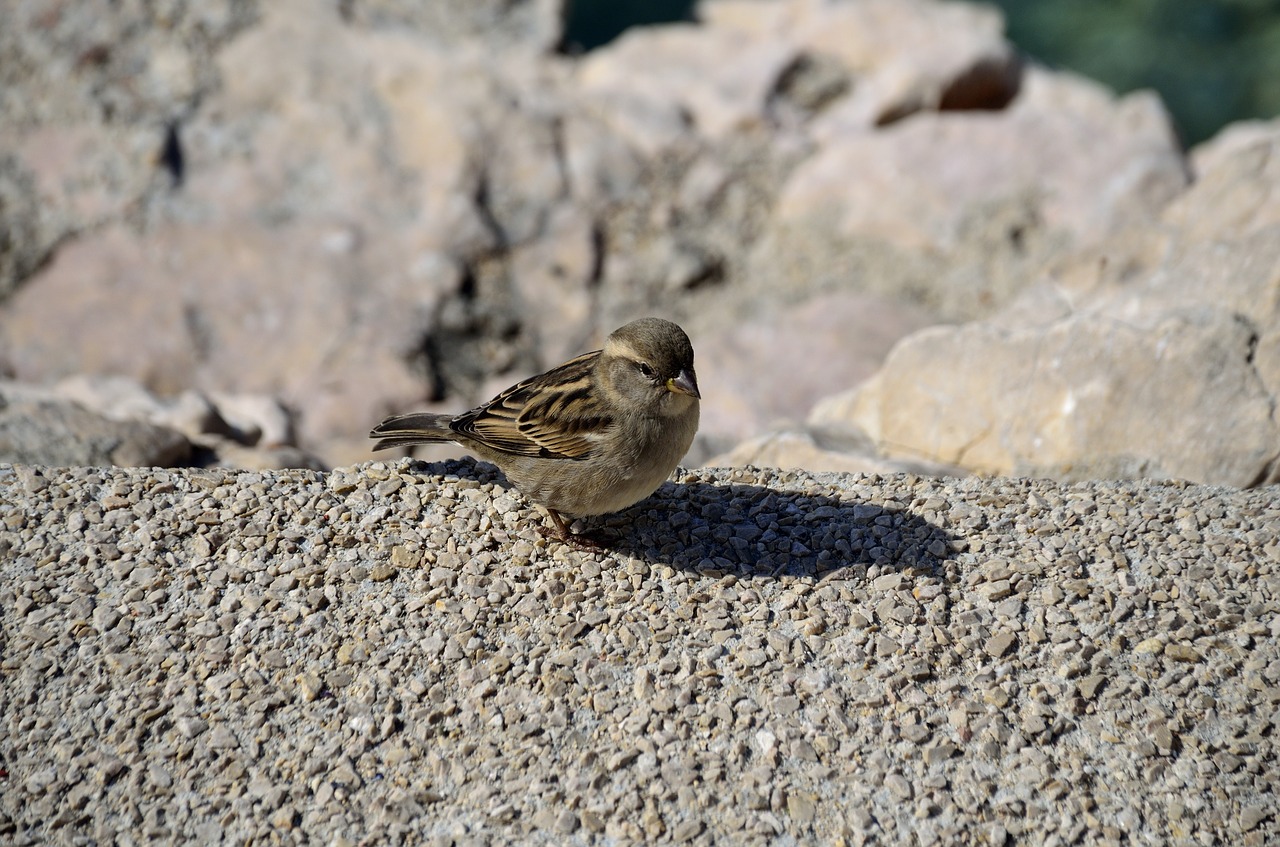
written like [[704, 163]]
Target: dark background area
[[1212, 61]]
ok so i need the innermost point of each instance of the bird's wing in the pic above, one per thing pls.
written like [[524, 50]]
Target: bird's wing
[[552, 415]]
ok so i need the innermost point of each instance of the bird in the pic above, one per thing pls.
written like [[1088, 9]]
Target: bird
[[590, 437]]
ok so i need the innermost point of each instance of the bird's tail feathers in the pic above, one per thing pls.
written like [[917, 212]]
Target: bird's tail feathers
[[414, 428]]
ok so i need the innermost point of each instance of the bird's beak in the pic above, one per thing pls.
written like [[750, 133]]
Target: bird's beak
[[685, 383]]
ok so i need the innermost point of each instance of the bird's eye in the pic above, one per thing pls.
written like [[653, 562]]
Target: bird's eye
[[646, 370]]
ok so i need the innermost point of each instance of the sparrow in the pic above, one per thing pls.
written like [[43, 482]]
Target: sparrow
[[590, 437]]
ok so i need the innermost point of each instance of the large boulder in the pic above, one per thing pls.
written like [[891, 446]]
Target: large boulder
[[957, 210], [60, 433], [1156, 354]]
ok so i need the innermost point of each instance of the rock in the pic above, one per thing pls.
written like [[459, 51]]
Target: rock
[[61, 434], [220, 296], [1148, 646], [903, 57], [1182, 653], [820, 450], [24, 246], [255, 420], [90, 101], [460, 690], [1237, 190], [450, 131], [377, 207], [534, 25], [122, 398], [1085, 393], [1000, 644], [657, 85], [1170, 374], [209, 438], [958, 209], [770, 367]]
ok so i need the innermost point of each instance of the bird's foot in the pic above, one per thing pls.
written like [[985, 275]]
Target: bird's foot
[[561, 532], [585, 543]]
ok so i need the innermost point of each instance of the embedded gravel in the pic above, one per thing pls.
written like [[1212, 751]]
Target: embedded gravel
[[391, 653]]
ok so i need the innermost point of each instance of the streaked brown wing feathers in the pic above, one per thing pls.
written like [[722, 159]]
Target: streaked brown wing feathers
[[549, 415]]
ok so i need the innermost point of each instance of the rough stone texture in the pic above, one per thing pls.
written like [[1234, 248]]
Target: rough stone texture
[[89, 99], [22, 245], [732, 358], [291, 258], [391, 652], [376, 205], [898, 57], [839, 450], [87, 420], [64, 433], [1157, 354], [960, 210], [504, 24]]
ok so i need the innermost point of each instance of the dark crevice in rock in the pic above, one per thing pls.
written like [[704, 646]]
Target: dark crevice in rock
[[990, 85], [171, 157]]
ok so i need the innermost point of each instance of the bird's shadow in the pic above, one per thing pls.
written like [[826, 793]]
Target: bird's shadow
[[752, 530]]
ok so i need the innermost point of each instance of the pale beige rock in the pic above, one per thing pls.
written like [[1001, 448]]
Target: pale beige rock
[[1165, 362], [379, 211], [904, 56], [122, 398], [1088, 398], [600, 165], [331, 202], [655, 85], [61, 433], [553, 276], [771, 365], [960, 211], [86, 173], [1087, 162], [257, 419], [524, 25], [1237, 190], [89, 97], [822, 452], [75, 420]]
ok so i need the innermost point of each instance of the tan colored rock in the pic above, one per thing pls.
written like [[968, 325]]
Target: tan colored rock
[[822, 452], [122, 398], [379, 210], [553, 277], [1237, 190], [331, 204], [62, 433], [1093, 397], [273, 341], [1169, 367], [532, 25], [656, 85], [1089, 164], [905, 57], [960, 211], [770, 366], [90, 419]]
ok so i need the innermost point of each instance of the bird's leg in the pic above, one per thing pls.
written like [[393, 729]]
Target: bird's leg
[[562, 533]]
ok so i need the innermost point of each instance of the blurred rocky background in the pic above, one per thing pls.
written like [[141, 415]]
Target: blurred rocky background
[[238, 232]]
